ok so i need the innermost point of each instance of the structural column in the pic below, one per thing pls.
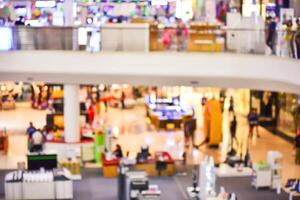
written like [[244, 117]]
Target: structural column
[[71, 113], [68, 12]]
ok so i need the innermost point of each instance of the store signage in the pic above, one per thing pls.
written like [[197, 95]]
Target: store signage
[[45, 4]]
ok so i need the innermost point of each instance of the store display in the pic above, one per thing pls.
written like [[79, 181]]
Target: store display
[[153, 193], [292, 187], [262, 175], [274, 160], [73, 165], [205, 38], [8, 104], [167, 113], [109, 165], [39, 185], [161, 164], [46, 160], [207, 178], [4, 141], [135, 184], [204, 187]]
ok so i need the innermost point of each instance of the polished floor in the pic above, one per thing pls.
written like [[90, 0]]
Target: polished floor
[[131, 130]]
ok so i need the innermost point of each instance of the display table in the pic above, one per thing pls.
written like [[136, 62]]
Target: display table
[[109, 166], [38, 185], [150, 165], [8, 105], [73, 166], [225, 170], [291, 193], [167, 114], [261, 177], [147, 166]]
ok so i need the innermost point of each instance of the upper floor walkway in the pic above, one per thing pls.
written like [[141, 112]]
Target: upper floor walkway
[[224, 70]]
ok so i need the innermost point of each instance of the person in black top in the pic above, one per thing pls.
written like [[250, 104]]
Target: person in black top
[[189, 128], [20, 21], [231, 105], [271, 34], [297, 146], [118, 151], [253, 120], [233, 125]]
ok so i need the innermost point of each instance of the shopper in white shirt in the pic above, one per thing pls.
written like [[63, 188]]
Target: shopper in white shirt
[[37, 141]]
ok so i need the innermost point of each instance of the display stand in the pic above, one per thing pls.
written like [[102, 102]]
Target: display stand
[[207, 178], [39, 185], [274, 160], [291, 193], [262, 176], [73, 166]]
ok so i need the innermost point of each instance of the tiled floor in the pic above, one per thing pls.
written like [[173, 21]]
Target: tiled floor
[[132, 131]]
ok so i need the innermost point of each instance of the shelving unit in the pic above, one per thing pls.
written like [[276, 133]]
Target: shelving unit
[[207, 178]]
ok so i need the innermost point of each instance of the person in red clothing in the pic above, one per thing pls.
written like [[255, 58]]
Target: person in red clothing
[[91, 114]]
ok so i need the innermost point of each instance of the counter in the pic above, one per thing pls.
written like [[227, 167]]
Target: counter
[[110, 167], [205, 38]]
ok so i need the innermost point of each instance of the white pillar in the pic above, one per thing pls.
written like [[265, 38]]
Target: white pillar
[[71, 113], [68, 12]]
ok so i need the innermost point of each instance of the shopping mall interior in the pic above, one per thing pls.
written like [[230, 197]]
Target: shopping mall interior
[[150, 99]]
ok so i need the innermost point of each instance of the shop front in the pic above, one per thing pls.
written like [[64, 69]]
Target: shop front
[[279, 112], [289, 114]]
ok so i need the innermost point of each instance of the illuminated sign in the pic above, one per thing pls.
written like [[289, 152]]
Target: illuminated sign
[[6, 39]]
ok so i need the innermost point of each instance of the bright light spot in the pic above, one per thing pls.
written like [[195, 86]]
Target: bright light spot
[[170, 142], [116, 131], [6, 39], [45, 4], [148, 140]]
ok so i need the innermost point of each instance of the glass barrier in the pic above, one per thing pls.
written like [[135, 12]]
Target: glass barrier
[[145, 37]]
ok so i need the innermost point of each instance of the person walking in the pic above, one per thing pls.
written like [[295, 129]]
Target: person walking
[[271, 34], [189, 128], [231, 105], [180, 28], [37, 141], [288, 38], [30, 130], [233, 125], [122, 100], [297, 39], [253, 122]]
